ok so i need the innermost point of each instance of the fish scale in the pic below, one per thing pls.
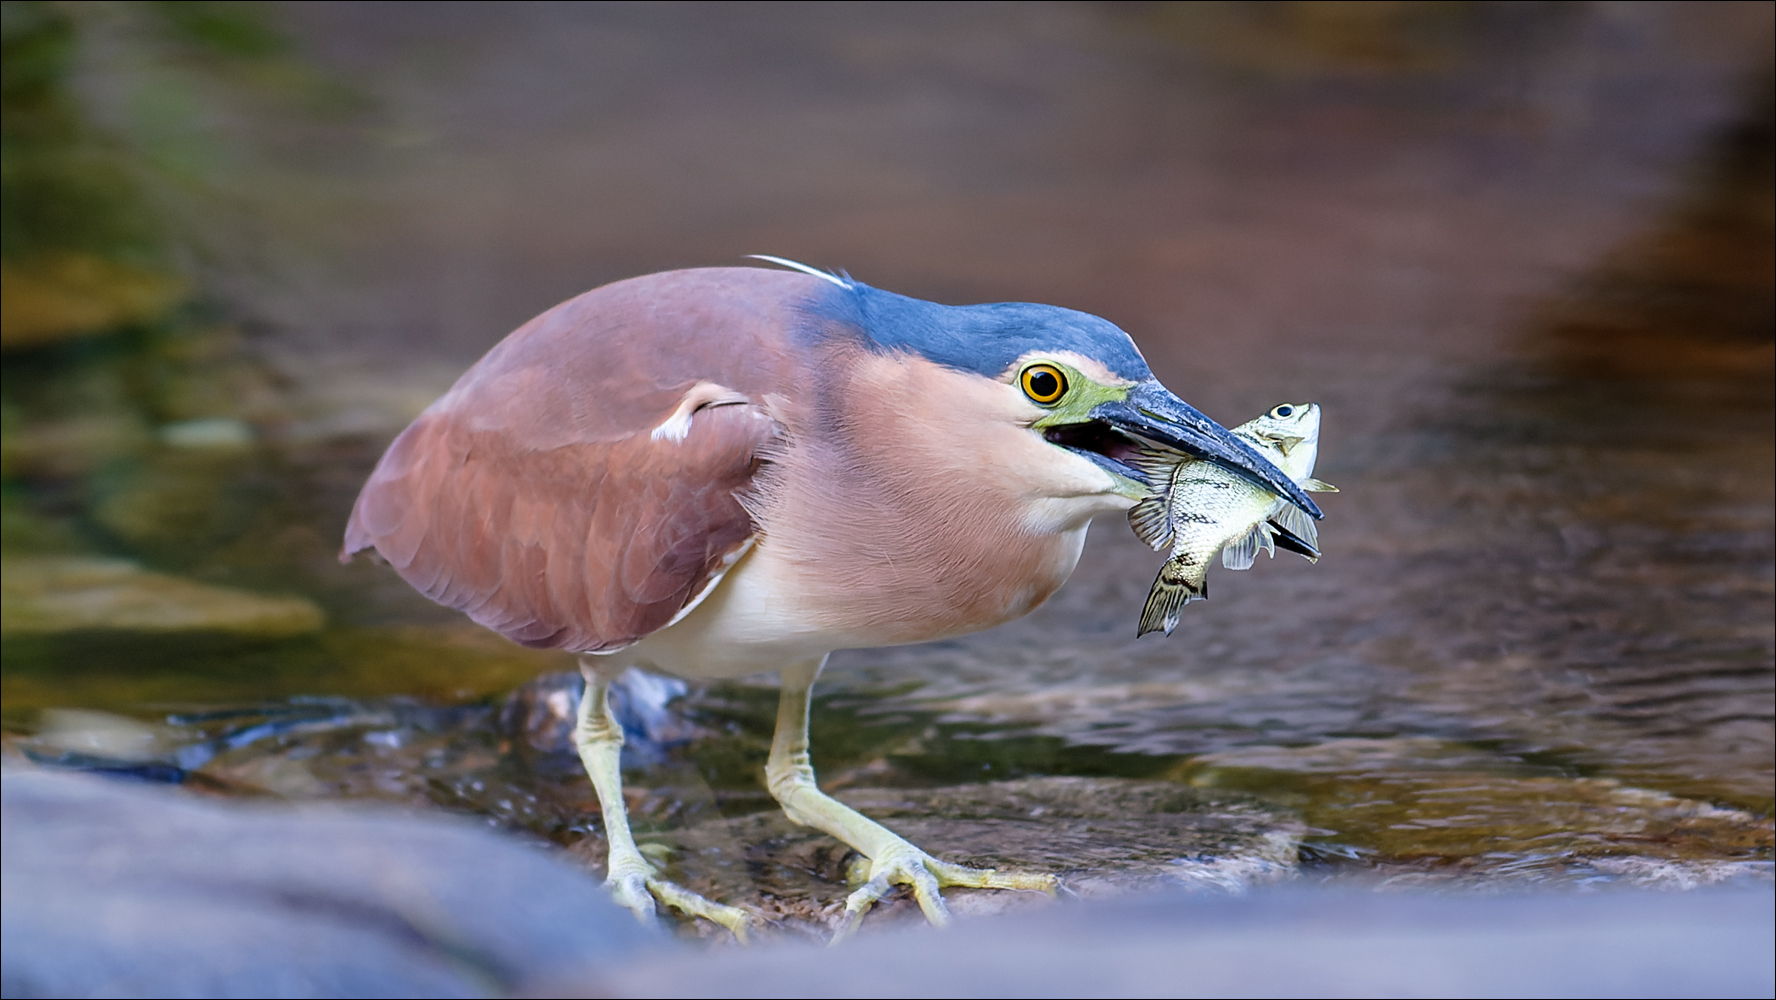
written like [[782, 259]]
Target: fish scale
[[1206, 509]]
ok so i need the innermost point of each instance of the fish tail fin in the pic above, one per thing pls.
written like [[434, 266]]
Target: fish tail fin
[[1152, 522], [1240, 554], [1318, 486], [1172, 589]]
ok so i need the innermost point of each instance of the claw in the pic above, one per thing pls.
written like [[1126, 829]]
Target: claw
[[737, 921], [631, 891], [906, 865], [637, 893], [636, 887], [925, 891]]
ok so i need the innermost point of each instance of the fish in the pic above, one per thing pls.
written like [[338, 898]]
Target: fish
[[1203, 508]]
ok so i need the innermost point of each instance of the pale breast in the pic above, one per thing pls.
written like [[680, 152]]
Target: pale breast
[[768, 612]]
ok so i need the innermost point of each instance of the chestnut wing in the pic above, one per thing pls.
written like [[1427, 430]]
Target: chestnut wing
[[586, 545]]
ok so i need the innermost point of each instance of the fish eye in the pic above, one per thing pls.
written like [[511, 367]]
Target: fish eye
[[1282, 411], [1044, 383]]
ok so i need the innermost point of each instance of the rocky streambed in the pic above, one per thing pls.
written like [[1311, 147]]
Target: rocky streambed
[[1522, 257]]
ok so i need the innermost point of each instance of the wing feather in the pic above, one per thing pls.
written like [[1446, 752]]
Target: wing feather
[[535, 498], [550, 556]]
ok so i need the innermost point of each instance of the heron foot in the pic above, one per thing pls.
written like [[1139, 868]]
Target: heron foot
[[737, 921], [903, 864], [889, 859], [636, 890]]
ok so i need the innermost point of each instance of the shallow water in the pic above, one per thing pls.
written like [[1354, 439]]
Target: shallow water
[[1524, 262]]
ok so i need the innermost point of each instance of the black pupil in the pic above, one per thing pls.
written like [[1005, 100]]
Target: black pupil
[[1283, 411], [1044, 384]]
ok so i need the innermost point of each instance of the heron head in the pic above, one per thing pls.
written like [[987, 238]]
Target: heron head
[[1073, 379]]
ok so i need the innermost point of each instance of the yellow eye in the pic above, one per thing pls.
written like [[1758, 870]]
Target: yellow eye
[[1044, 383]]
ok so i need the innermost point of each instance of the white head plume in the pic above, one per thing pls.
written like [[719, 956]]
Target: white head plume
[[805, 269]]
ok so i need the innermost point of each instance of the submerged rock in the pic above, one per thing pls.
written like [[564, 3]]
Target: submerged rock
[[1429, 811], [208, 434], [102, 735], [183, 500], [67, 294], [57, 595]]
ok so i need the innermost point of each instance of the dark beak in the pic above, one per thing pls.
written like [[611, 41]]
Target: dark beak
[[1151, 413]]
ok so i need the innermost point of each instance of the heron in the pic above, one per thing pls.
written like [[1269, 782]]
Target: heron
[[717, 472]]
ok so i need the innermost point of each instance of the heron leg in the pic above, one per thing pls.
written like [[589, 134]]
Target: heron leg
[[892, 860], [630, 877]]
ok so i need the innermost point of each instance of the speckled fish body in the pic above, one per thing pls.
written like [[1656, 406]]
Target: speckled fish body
[[1205, 509]]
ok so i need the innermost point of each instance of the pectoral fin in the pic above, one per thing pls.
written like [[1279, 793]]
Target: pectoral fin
[[1295, 534], [1159, 464], [1285, 443], [1152, 522], [1289, 520], [1318, 486], [1240, 554]]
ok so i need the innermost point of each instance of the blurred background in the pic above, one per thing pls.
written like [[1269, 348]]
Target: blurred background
[[1521, 253]]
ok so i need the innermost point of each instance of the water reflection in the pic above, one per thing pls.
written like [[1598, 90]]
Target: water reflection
[[1539, 646]]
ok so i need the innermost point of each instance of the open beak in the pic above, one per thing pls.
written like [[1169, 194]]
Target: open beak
[[1151, 413]]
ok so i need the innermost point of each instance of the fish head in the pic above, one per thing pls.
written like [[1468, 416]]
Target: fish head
[[1291, 433]]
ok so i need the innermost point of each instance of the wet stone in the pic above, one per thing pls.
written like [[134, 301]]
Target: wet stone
[[102, 735], [1428, 811], [68, 294], [1102, 836], [188, 498]]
